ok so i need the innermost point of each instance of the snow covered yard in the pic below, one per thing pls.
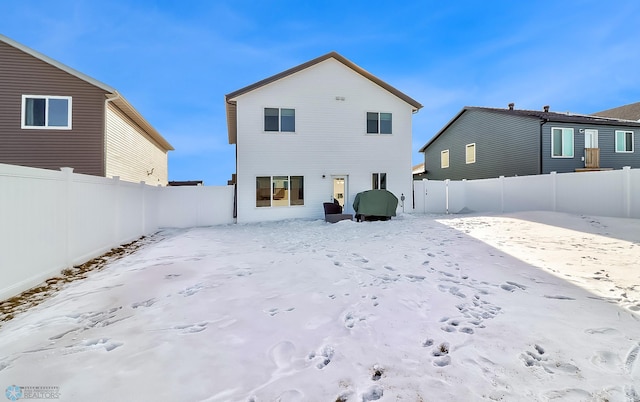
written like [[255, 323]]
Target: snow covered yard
[[520, 307]]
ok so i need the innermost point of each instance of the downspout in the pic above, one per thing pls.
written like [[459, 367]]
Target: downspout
[[110, 98], [540, 159]]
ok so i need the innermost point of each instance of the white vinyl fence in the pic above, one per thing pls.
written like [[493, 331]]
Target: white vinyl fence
[[614, 193], [51, 220]]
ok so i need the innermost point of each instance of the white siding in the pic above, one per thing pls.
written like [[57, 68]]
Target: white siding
[[330, 139], [131, 153]]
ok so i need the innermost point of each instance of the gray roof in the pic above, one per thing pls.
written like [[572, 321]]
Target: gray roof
[[542, 116], [231, 103], [626, 112]]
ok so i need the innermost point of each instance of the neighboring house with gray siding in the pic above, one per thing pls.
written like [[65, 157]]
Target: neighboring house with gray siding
[[482, 142], [53, 116]]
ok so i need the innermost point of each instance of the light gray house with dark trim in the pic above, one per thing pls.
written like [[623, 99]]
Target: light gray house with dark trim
[[52, 116], [481, 142]]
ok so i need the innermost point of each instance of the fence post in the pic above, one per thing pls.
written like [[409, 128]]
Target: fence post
[[502, 194], [143, 209], [116, 210], [68, 178], [464, 194], [626, 190], [554, 191], [424, 194], [446, 195]]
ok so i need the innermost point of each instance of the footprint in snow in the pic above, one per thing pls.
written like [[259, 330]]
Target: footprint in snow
[[282, 353], [349, 320], [322, 357], [275, 311], [377, 373], [415, 278], [632, 357], [102, 342], [372, 394], [559, 297], [191, 328], [511, 286], [144, 303], [441, 354]]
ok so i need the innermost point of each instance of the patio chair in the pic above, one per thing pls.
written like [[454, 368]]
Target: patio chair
[[333, 213]]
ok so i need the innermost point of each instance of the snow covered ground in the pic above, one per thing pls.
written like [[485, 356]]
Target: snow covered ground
[[517, 307]]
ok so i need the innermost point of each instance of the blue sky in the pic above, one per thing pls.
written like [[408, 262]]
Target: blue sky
[[175, 60]]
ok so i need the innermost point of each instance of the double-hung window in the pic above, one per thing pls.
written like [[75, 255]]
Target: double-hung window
[[561, 142], [279, 119], [379, 181], [624, 141], [46, 112], [470, 153], [379, 123], [444, 159], [279, 191]]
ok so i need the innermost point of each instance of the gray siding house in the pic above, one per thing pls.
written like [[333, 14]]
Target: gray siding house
[[52, 116], [482, 142]]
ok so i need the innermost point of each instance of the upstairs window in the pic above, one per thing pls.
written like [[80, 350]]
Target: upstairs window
[[50, 112], [283, 120], [470, 153], [379, 181], [624, 141], [561, 142], [378, 123], [444, 159]]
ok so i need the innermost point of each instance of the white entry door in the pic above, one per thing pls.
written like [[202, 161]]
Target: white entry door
[[340, 187]]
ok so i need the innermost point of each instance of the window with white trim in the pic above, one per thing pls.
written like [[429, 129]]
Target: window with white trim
[[444, 159], [279, 119], [379, 123], [470, 153], [46, 112], [561, 142], [624, 141], [379, 181], [279, 191]]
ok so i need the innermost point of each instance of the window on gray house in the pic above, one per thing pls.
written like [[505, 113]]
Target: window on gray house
[[624, 141], [561, 142]]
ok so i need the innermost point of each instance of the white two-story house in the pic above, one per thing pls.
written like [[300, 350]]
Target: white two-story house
[[324, 130]]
